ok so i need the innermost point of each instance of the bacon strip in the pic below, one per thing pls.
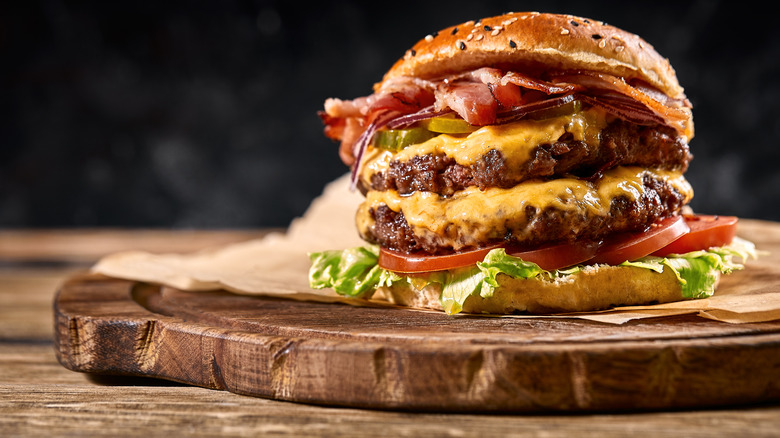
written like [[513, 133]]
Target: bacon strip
[[473, 101], [487, 96], [674, 112], [530, 83]]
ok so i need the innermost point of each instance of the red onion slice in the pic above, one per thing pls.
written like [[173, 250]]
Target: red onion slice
[[426, 113], [521, 111], [364, 140], [626, 109]]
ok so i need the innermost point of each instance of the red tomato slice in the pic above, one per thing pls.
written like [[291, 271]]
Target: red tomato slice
[[706, 232], [631, 246], [410, 263], [676, 234], [547, 257], [557, 256]]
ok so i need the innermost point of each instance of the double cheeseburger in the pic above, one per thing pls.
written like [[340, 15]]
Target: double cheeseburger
[[527, 163]]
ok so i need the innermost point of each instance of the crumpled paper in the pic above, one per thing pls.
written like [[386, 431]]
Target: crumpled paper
[[277, 265]]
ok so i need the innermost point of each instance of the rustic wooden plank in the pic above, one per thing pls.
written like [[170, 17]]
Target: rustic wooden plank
[[87, 245], [26, 297], [38, 397], [67, 410], [31, 363]]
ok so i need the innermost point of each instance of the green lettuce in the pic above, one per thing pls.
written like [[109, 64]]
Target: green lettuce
[[697, 271], [354, 272]]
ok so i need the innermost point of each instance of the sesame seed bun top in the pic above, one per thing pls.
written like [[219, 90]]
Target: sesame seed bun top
[[530, 41]]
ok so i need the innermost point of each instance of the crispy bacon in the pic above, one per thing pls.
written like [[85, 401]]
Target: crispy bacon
[[530, 83], [467, 93], [487, 96], [473, 101], [673, 112]]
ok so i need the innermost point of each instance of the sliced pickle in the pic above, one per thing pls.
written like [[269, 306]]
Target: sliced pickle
[[397, 139], [449, 125]]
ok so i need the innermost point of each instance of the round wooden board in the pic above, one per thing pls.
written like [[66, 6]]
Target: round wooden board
[[389, 358]]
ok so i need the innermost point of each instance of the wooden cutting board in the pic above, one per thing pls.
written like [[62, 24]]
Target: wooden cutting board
[[386, 358]]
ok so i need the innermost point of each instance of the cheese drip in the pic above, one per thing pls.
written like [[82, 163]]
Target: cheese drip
[[515, 141], [472, 216]]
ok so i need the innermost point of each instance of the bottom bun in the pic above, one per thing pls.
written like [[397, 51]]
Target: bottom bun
[[595, 287]]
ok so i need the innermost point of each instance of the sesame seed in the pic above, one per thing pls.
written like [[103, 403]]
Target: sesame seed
[[470, 37], [596, 36], [619, 48], [509, 21], [429, 38], [462, 45], [564, 31], [414, 52], [479, 37], [512, 44], [602, 43], [487, 28], [454, 31], [495, 32], [574, 23]]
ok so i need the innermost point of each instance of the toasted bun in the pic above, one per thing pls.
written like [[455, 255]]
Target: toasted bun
[[533, 41], [596, 287]]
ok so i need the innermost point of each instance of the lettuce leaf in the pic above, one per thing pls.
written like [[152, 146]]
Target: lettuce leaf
[[354, 272], [697, 271]]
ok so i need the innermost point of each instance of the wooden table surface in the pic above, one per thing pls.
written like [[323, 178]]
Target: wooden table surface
[[39, 397]]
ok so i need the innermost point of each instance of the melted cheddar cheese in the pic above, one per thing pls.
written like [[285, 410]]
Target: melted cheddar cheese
[[471, 216], [515, 141]]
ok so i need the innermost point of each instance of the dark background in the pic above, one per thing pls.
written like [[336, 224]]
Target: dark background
[[203, 114]]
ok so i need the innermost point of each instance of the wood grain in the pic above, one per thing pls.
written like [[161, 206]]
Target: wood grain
[[87, 245], [398, 359], [70, 410]]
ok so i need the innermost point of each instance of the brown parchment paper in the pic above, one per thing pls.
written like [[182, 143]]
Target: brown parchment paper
[[278, 264]]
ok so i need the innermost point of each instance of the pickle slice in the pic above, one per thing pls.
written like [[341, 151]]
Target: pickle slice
[[449, 125], [397, 139]]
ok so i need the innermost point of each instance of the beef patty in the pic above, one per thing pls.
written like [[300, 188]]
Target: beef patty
[[621, 144], [659, 199]]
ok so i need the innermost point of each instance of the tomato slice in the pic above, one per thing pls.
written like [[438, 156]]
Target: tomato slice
[[706, 232], [410, 263], [632, 246], [676, 234], [547, 257], [557, 256]]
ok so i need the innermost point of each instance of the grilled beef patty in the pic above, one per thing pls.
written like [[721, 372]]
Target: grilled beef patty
[[622, 144], [550, 225]]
